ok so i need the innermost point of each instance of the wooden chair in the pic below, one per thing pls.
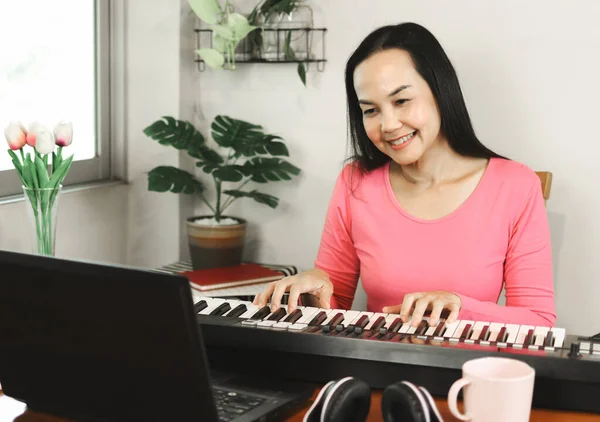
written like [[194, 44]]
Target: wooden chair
[[546, 180]]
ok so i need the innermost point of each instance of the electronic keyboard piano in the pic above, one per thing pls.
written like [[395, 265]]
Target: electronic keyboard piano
[[318, 345]]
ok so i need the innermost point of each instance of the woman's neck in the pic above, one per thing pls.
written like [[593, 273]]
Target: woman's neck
[[438, 165]]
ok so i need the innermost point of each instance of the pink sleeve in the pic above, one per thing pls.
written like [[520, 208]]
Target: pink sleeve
[[527, 271], [337, 255]]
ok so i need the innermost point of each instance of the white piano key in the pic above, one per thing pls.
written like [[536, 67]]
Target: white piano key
[[265, 324], [459, 330], [251, 310], [494, 330], [308, 313], [349, 316], [212, 303], [360, 314], [540, 335], [559, 336], [522, 335], [476, 332], [374, 318], [390, 318], [297, 327], [584, 347], [430, 330], [405, 327], [449, 331], [512, 331], [330, 314]]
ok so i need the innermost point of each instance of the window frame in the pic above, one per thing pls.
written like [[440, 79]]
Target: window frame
[[109, 163]]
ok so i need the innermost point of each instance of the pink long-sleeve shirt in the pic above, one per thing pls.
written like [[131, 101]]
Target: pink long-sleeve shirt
[[498, 236]]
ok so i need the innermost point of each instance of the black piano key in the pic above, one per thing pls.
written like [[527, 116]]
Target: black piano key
[[396, 325], [502, 335], [485, 333], [438, 330], [360, 325], [294, 316], [421, 328], [336, 320], [379, 323], [318, 319], [221, 309], [549, 341], [529, 339], [200, 306], [261, 313], [466, 332], [277, 315], [237, 311]]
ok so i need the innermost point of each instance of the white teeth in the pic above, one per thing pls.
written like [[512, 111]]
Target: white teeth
[[404, 139]]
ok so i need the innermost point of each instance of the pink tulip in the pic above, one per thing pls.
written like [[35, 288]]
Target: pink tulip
[[63, 132], [32, 133], [16, 135]]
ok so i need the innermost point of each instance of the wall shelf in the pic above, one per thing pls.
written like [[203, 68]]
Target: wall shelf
[[275, 45]]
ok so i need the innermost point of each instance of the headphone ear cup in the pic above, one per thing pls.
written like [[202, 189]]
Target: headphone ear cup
[[348, 400], [404, 402]]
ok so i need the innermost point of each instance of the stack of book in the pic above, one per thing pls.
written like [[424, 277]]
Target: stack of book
[[244, 280]]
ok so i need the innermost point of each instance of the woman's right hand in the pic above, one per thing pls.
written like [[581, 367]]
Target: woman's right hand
[[315, 282]]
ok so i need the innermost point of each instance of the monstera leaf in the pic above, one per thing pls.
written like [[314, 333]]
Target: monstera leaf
[[183, 136], [270, 169], [261, 198], [172, 179], [234, 133]]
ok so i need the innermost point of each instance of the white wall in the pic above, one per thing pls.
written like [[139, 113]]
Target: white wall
[[125, 224], [529, 71]]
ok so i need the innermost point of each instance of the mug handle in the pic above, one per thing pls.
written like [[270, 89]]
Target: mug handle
[[453, 396]]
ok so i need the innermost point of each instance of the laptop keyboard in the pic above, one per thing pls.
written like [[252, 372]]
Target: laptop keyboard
[[231, 404]]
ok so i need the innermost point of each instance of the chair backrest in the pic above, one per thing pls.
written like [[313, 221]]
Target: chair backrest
[[546, 180]]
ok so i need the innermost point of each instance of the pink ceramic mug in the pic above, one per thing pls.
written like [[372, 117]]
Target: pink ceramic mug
[[495, 390]]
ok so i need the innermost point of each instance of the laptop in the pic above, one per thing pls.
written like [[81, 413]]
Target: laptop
[[99, 342]]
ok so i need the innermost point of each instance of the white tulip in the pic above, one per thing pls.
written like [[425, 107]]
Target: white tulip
[[44, 143], [15, 134], [63, 132]]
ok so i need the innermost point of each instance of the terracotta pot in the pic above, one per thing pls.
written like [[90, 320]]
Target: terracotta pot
[[213, 246]]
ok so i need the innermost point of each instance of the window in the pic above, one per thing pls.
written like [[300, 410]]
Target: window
[[56, 65]]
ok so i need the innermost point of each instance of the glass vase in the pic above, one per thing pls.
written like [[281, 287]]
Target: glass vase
[[42, 208]]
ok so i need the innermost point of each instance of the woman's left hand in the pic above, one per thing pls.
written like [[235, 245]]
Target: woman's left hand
[[416, 304]]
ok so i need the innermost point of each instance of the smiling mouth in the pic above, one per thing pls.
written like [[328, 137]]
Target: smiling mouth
[[403, 139]]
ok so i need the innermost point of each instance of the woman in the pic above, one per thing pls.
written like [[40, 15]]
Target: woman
[[429, 218]]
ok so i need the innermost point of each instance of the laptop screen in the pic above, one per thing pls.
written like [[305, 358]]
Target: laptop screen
[[93, 341]]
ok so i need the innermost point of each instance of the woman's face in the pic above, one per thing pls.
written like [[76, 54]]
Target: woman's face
[[400, 114]]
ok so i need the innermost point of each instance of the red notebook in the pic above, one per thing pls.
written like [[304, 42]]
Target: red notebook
[[239, 275]]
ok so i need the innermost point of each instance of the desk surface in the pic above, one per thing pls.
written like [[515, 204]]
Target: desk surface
[[537, 415]]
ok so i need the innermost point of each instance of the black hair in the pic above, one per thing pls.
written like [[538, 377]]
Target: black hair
[[434, 66]]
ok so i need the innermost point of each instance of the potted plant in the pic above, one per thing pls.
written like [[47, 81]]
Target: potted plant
[[250, 155]]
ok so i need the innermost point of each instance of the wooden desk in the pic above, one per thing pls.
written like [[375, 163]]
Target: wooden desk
[[375, 414]]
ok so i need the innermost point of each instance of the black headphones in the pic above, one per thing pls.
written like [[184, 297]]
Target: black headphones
[[349, 399]]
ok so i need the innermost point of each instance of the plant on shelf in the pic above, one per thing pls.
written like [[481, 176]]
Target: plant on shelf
[[250, 155], [228, 27]]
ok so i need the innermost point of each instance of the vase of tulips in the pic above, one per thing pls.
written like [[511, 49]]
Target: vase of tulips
[[37, 155]]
